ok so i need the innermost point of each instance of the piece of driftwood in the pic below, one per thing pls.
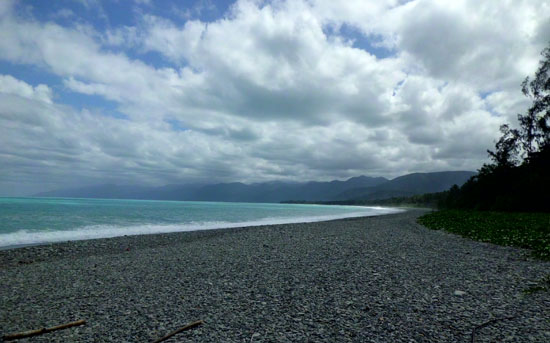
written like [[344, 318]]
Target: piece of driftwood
[[41, 331], [487, 323], [186, 327]]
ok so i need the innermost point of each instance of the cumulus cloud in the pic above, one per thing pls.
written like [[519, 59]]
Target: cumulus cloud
[[10, 85], [51, 143], [269, 90]]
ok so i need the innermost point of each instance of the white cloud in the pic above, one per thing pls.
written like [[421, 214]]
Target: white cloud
[[6, 7], [163, 36], [266, 93], [10, 85]]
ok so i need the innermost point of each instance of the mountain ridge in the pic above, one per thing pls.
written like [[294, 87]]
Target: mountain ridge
[[409, 185], [358, 187]]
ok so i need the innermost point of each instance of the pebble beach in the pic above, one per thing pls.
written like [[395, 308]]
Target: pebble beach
[[370, 279]]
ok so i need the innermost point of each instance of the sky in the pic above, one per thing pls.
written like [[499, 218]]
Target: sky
[[202, 91]]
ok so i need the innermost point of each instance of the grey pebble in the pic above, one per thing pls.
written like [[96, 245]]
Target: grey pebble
[[372, 279]]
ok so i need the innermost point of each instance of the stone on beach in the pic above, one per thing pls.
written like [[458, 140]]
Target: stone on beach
[[372, 279]]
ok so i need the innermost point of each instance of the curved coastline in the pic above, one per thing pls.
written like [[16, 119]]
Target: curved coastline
[[381, 278], [26, 239]]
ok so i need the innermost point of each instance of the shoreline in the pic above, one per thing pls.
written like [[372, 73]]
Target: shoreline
[[207, 226], [381, 278], [27, 251]]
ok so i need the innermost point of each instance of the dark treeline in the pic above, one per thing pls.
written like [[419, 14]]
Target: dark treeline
[[518, 179], [423, 200], [513, 188]]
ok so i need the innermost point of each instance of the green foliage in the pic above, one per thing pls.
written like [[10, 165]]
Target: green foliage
[[525, 230], [507, 148], [535, 124], [533, 134]]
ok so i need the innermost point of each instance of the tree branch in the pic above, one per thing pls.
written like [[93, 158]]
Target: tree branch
[[186, 327], [41, 331]]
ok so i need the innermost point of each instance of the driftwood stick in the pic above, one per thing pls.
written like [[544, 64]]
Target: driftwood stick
[[487, 323], [41, 331], [186, 327]]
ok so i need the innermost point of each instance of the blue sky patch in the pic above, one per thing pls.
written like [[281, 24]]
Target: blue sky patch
[[370, 43], [176, 125]]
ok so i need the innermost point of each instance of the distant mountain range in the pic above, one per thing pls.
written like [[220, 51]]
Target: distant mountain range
[[355, 188]]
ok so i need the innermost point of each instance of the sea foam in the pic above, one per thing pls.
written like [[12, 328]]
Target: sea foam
[[32, 237]]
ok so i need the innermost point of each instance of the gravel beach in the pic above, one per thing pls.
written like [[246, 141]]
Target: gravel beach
[[371, 279]]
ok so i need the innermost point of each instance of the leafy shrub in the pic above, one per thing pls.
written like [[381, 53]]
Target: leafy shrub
[[524, 230]]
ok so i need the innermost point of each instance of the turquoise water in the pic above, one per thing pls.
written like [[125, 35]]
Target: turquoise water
[[42, 220]]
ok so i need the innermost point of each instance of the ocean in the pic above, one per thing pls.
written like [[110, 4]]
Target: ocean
[[25, 221]]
